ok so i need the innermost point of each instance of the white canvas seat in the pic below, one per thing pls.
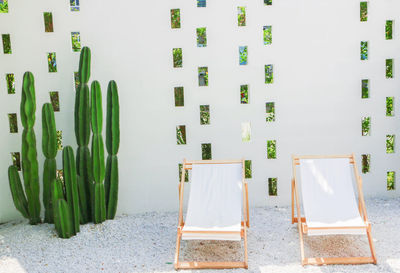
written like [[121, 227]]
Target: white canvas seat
[[214, 203], [329, 203], [217, 208], [328, 197]]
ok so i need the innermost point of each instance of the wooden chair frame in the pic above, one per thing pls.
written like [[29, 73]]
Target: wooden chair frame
[[187, 165], [302, 221]]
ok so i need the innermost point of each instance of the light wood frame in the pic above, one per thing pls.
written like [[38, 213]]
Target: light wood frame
[[302, 221], [187, 165]]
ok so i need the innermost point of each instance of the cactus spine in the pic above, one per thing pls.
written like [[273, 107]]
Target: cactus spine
[[112, 144], [62, 214], [49, 147], [71, 187], [82, 133], [98, 168], [27, 203]]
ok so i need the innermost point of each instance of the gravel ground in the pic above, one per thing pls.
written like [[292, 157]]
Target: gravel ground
[[146, 243]]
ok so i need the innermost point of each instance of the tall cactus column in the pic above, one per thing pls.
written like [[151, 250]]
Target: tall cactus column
[[98, 168], [30, 169], [82, 133], [49, 147], [112, 144], [27, 202]]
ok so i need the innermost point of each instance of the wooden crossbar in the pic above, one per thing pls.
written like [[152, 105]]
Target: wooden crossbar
[[210, 232], [338, 260], [336, 228], [302, 221], [296, 157], [187, 165], [211, 265]]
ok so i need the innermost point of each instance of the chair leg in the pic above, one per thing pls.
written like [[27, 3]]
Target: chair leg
[[299, 222], [371, 244], [301, 244], [245, 250], [178, 246], [247, 206], [292, 201]]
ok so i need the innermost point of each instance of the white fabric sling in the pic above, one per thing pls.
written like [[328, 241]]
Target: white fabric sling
[[328, 197], [215, 202]]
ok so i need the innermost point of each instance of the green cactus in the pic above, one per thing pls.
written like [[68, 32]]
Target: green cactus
[[82, 133], [83, 164], [82, 115], [112, 122], [71, 186], [57, 190], [63, 221], [112, 144], [62, 216], [98, 168], [28, 101], [96, 185], [49, 174], [17, 191], [49, 137], [49, 147], [99, 203], [30, 168], [111, 186], [84, 65], [97, 108], [57, 193]]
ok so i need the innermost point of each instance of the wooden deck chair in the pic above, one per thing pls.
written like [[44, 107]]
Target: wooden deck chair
[[329, 203], [218, 199]]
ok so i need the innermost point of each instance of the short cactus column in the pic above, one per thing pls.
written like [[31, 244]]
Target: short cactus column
[[17, 191], [71, 186], [62, 214]]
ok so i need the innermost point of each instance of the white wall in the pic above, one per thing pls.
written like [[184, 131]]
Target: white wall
[[317, 92]]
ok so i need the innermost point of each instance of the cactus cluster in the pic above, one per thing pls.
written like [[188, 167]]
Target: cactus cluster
[[90, 188], [27, 202], [97, 182]]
